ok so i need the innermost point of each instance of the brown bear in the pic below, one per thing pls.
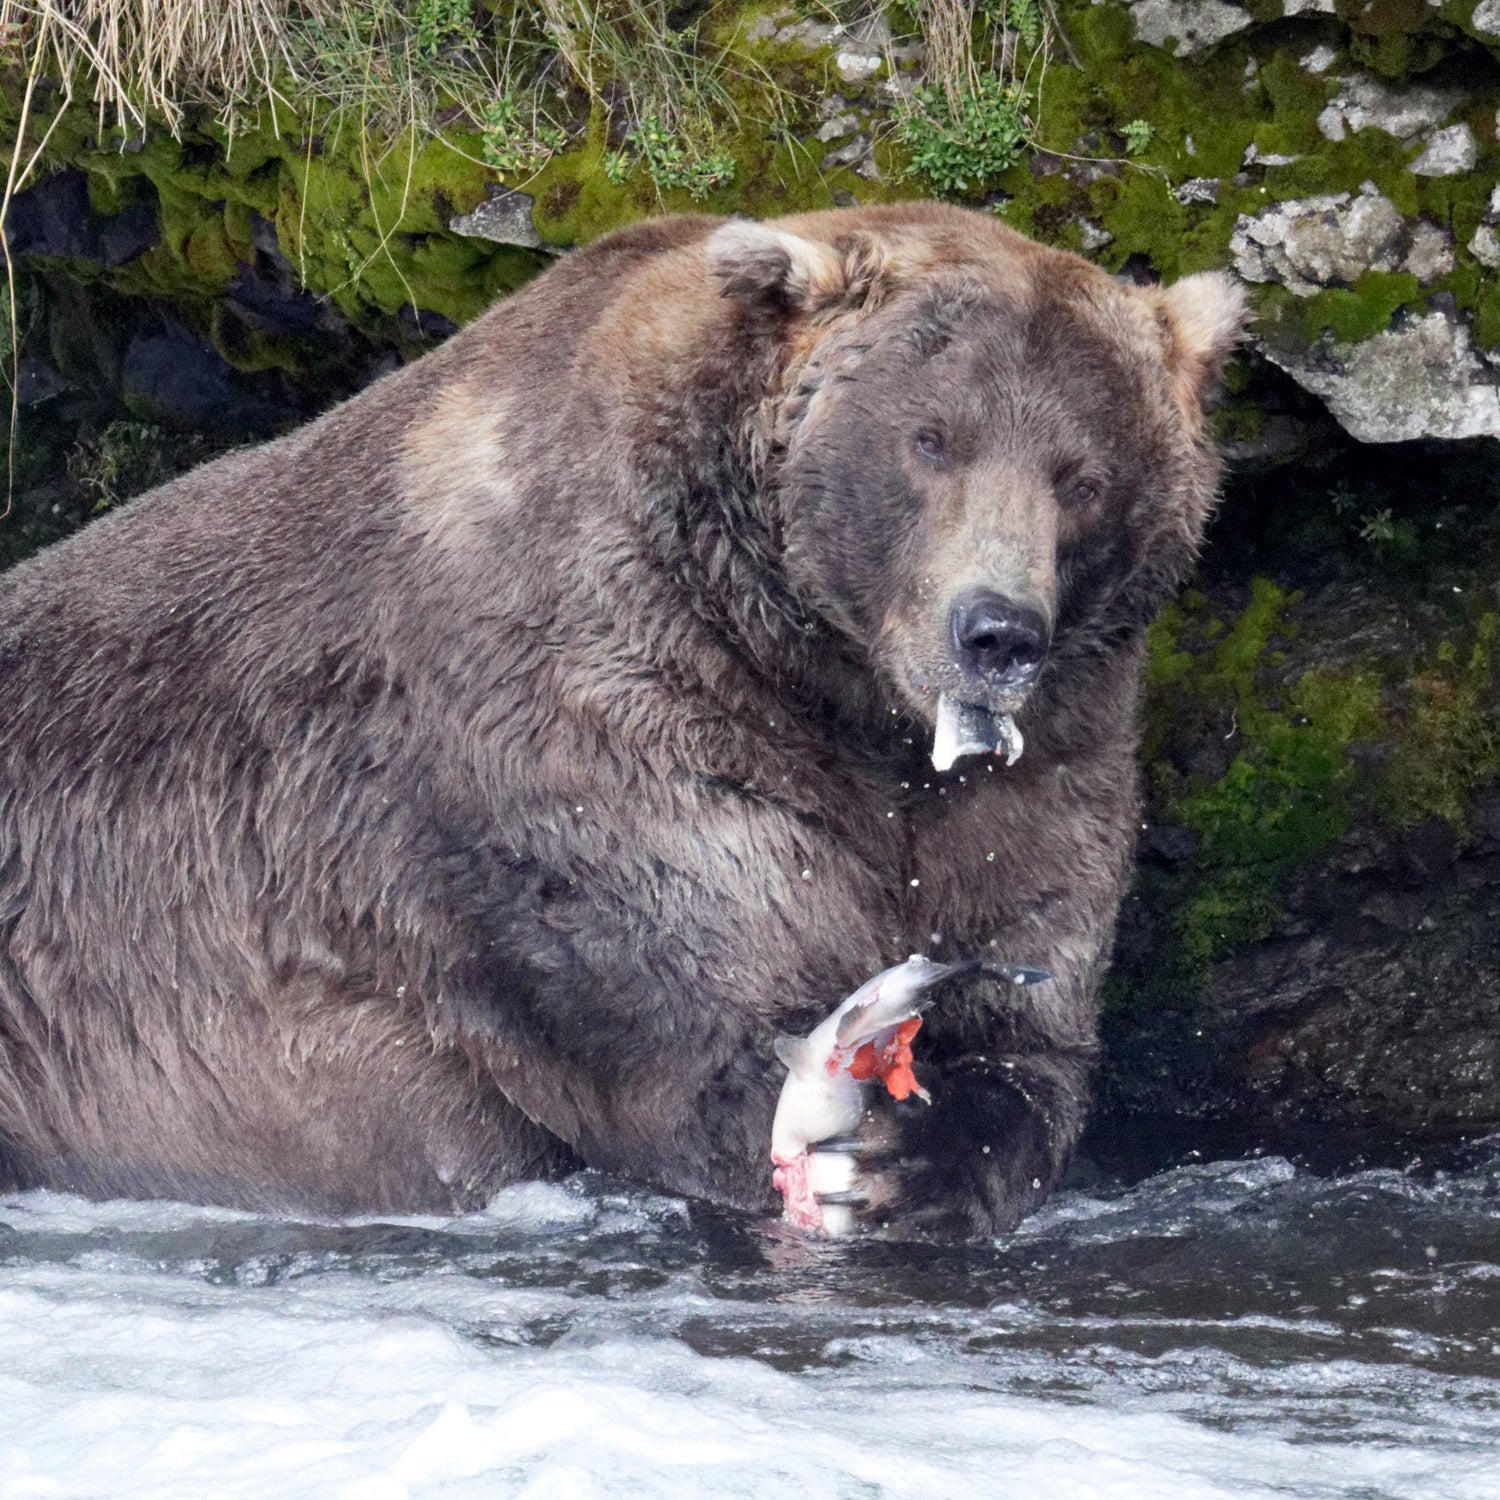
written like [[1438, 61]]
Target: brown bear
[[474, 783]]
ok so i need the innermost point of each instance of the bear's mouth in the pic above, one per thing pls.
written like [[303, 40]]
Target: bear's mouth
[[972, 729]]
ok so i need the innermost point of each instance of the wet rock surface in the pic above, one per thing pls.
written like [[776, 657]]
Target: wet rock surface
[[1335, 771], [1373, 1010]]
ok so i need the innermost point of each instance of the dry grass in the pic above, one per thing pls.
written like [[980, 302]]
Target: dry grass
[[395, 63], [948, 29], [151, 57]]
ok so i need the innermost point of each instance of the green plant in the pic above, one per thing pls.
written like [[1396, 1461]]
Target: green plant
[[1376, 526], [1025, 18], [388, 67], [960, 142], [1138, 136], [1343, 496], [437, 24], [516, 145], [124, 459], [672, 163]]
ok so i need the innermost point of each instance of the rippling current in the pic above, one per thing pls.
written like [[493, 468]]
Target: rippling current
[[1234, 1328]]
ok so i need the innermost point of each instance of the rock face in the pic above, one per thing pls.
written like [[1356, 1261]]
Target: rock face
[[1376, 1010], [1402, 149], [1340, 156], [504, 217], [56, 219], [1314, 936], [1419, 379], [1186, 26], [1305, 244]]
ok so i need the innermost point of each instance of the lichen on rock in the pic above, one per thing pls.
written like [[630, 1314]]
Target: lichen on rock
[[1421, 378]]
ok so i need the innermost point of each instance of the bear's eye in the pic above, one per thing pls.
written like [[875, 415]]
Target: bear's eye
[[930, 443], [1085, 491]]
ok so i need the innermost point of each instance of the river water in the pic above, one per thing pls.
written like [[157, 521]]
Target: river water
[[1212, 1329]]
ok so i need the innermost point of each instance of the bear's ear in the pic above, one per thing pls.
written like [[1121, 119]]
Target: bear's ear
[[1204, 316], [760, 264]]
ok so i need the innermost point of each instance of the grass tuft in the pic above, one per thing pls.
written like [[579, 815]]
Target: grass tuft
[[973, 118]]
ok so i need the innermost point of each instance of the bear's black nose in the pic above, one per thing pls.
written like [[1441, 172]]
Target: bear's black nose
[[1001, 640]]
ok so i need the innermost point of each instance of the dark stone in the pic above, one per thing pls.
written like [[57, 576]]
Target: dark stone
[[432, 326], [1138, 270], [174, 377], [56, 218], [1428, 850], [38, 380], [53, 218], [1484, 820], [125, 235], [1170, 844]]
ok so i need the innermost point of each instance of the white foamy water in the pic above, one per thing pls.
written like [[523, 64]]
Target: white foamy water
[[1238, 1329]]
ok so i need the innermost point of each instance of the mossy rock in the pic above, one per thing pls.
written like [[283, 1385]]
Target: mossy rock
[[1223, 133]]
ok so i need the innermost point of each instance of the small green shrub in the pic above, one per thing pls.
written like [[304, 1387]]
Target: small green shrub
[[959, 144], [671, 163], [126, 458], [515, 144], [437, 24], [1344, 497]]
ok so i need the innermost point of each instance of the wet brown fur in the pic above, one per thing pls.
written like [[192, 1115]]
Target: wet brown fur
[[472, 784]]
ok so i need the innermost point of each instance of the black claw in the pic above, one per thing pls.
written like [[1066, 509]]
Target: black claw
[[849, 1144], [849, 1198]]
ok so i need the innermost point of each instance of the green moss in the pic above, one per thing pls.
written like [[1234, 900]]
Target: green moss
[[1486, 314], [1291, 786], [363, 218], [1365, 309], [1448, 738], [1395, 38], [1286, 792]]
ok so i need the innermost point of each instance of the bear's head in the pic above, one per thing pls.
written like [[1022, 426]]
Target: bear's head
[[984, 455]]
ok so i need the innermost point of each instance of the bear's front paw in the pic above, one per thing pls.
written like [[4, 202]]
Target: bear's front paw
[[971, 1164]]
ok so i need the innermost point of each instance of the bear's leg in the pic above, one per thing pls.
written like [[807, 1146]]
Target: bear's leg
[[15, 1173], [308, 1095]]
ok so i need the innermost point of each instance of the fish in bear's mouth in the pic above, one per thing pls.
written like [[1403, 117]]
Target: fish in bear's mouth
[[970, 729]]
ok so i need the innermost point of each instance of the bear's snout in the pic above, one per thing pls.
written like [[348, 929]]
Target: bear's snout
[[1001, 641]]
